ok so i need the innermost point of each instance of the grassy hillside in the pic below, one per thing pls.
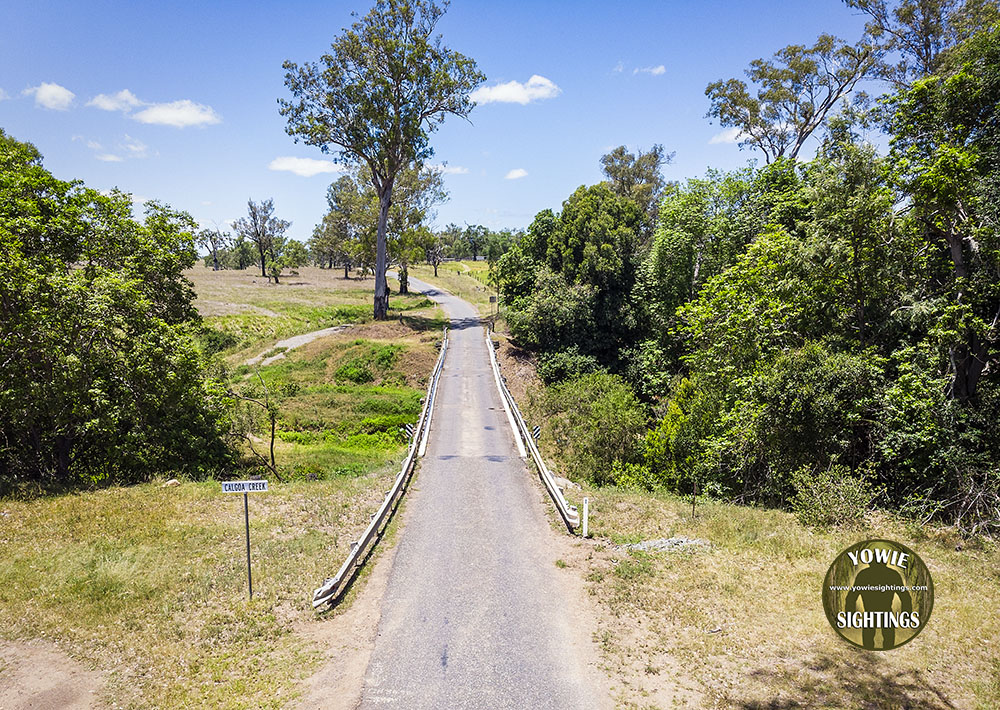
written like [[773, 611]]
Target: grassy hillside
[[147, 584], [253, 314]]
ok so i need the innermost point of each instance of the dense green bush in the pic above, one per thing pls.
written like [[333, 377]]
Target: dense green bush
[[565, 365], [805, 331], [100, 377], [557, 316], [595, 420], [368, 361], [832, 496]]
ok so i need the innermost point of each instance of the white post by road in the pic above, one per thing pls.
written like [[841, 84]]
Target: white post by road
[[586, 514]]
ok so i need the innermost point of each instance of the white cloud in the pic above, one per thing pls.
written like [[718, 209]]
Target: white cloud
[[51, 96], [658, 70], [516, 174], [110, 158], [306, 167], [514, 92], [730, 135], [124, 100], [619, 68], [450, 169], [178, 114], [4, 95], [134, 147]]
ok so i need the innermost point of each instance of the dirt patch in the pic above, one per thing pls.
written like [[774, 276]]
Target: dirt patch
[[635, 670], [227, 308], [394, 330], [37, 675], [416, 364], [347, 638]]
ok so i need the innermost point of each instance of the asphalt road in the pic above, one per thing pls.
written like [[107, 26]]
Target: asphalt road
[[473, 615]]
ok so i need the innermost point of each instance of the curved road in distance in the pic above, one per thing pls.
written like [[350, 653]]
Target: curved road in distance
[[473, 615]]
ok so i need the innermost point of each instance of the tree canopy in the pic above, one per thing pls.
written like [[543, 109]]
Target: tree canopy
[[386, 84], [101, 379], [796, 90]]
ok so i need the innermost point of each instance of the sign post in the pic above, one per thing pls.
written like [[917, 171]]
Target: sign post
[[246, 487]]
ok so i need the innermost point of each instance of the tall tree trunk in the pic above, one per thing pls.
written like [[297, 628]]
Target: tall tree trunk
[[274, 417], [381, 309], [435, 269], [968, 361], [404, 280], [263, 271]]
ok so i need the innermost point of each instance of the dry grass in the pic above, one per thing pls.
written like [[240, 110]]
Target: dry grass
[[743, 623], [465, 279], [257, 313], [149, 584]]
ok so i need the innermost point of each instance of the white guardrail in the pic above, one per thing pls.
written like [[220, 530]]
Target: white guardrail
[[332, 587], [568, 512]]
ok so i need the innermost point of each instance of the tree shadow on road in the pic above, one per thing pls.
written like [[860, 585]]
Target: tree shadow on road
[[463, 323]]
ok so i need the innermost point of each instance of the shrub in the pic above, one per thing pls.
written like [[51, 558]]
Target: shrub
[[369, 361], [565, 365], [355, 371], [215, 341], [832, 496], [556, 315], [634, 476], [100, 378], [597, 421]]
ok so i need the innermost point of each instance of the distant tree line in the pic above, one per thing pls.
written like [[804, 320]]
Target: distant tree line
[[346, 238], [259, 241], [815, 330]]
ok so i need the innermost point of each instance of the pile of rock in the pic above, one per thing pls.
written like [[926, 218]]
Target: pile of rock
[[671, 544]]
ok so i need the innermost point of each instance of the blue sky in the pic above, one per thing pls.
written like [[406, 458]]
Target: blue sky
[[199, 126]]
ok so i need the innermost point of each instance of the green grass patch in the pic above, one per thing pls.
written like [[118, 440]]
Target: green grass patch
[[149, 584]]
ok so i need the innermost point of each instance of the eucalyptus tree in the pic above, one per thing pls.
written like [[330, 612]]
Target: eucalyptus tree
[[638, 177], [215, 241], [917, 33], [796, 91], [263, 229], [375, 97]]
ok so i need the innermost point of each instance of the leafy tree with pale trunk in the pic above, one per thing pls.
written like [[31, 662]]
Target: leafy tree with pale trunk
[[919, 32], [215, 241], [797, 90], [637, 176], [386, 84]]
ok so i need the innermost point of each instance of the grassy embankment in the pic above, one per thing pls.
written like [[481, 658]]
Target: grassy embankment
[[356, 388], [147, 583], [744, 620], [741, 624]]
